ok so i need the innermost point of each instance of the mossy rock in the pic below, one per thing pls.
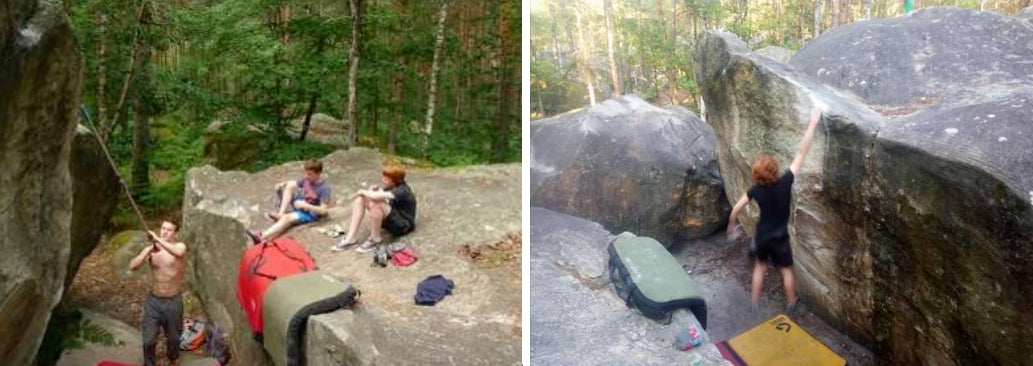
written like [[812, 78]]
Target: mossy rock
[[126, 245]]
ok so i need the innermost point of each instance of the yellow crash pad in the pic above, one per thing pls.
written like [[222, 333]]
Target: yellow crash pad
[[780, 341]]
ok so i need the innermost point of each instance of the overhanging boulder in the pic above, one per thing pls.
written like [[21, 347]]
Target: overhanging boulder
[[912, 224], [40, 87], [94, 200]]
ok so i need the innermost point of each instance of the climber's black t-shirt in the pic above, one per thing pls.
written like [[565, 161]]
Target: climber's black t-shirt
[[774, 209], [404, 202]]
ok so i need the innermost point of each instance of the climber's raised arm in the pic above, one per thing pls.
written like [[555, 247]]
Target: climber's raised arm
[[805, 145]]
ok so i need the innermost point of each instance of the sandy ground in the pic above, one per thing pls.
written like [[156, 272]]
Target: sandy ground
[[577, 319]]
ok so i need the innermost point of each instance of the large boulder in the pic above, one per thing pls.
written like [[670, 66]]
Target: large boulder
[[96, 194], [776, 53], [912, 223], [630, 166], [1025, 13], [474, 205], [40, 85], [234, 145], [323, 128]]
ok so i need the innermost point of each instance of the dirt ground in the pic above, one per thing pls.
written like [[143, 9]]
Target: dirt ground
[[723, 270]]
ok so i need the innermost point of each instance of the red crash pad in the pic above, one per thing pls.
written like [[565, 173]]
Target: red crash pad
[[260, 266]]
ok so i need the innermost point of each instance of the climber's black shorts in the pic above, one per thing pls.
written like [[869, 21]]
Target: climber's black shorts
[[777, 251], [396, 224]]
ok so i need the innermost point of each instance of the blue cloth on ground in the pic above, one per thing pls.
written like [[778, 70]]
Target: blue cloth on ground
[[433, 289]]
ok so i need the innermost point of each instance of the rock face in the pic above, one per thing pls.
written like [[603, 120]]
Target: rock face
[[632, 167], [577, 319], [775, 53], [323, 129], [912, 223], [94, 199], [226, 149], [472, 205], [1026, 13], [40, 84]]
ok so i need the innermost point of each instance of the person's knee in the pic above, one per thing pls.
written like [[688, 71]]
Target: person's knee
[[290, 219], [377, 212]]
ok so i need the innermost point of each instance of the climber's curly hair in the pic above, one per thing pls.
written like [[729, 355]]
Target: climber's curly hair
[[395, 172], [765, 170]]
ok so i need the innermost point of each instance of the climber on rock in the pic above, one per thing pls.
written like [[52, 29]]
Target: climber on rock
[[391, 207], [307, 199], [771, 240]]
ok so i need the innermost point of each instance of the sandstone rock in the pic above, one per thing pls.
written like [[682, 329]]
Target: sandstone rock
[[1026, 13], [228, 146], [775, 53], [40, 85], [630, 166], [472, 205], [127, 244], [323, 129], [577, 319], [913, 233], [922, 57], [94, 200]]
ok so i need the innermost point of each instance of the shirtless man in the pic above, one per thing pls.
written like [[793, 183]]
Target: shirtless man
[[163, 306]]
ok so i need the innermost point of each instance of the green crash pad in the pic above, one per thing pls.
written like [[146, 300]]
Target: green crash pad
[[648, 277], [287, 305]]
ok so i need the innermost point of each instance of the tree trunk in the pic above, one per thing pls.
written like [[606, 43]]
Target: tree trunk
[[353, 70], [583, 56], [142, 112], [844, 12], [555, 38], [867, 9], [308, 117], [376, 115], [102, 78], [674, 20], [106, 130], [609, 49], [835, 13], [501, 141], [816, 30], [392, 126], [435, 66]]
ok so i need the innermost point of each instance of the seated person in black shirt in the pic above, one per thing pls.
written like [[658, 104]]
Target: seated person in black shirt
[[771, 240], [391, 207]]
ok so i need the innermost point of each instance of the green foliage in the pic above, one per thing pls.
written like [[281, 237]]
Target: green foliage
[[287, 150], [71, 331], [653, 46], [261, 63]]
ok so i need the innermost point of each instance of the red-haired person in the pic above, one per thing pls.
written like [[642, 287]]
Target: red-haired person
[[391, 208], [773, 194]]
